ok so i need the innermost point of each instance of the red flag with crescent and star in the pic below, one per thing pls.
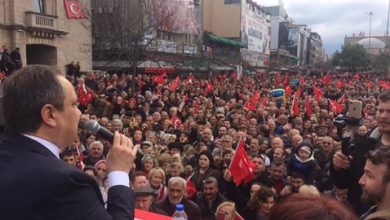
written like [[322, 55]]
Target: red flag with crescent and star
[[74, 9], [241, 167]]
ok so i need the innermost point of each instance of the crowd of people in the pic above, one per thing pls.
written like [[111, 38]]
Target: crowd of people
[[9, 61], [187, 131]]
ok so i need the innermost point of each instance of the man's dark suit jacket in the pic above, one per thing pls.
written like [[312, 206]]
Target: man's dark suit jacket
[[34, 184]]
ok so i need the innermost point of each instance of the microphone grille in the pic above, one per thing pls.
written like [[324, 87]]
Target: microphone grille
[[92, 126]]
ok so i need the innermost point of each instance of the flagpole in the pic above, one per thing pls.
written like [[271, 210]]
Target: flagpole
[[189, 178]]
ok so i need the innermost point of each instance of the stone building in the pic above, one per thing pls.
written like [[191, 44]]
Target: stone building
[[52, 32]]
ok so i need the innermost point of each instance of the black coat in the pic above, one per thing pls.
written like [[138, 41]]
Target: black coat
[[190, 208], [35, 184], [350, 178], [208, 212]]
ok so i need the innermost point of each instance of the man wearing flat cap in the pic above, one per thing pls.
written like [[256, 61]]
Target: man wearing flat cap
[[144, 199]]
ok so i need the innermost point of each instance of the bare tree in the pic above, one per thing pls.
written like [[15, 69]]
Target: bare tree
[[124, 30]]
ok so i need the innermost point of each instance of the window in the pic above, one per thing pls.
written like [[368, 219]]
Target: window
[[38, 6]]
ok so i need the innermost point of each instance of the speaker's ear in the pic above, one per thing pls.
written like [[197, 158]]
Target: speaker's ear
[[48, 115]]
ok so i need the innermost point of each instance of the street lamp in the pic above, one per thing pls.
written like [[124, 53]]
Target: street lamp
[[369, 32]]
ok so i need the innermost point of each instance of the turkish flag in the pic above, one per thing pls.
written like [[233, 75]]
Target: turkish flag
[[251, 104], [339, 84], [309, 109], [176, 121], [85, 95], [140, 83], [295, 107], [241, 167], [370, 85], [335, 106], [384, 84], [73, 9], [288, 91], [317, 94], [174, 84], [207, 89], [286, 80], [326, 80], [158, 79]]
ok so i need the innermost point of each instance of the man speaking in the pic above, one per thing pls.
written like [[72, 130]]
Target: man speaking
[[41, 119]]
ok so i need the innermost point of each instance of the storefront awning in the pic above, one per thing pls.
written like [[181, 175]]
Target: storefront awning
[[225, 41]]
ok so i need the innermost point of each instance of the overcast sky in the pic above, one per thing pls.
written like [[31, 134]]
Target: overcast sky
[[333, 19]]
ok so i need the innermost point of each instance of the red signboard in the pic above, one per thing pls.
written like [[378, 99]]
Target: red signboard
[[73, 9]]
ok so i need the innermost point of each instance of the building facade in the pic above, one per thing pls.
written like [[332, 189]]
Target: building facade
[[45, 31], [243, 21]]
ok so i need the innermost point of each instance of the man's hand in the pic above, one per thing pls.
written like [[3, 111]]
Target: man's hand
[[341, 161], [122, 154], [287, 190], [227, 176]]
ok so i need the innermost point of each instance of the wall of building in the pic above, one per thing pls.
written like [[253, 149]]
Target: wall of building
[[74, 46], [220, 19]]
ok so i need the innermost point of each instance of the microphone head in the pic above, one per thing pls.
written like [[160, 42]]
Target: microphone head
[[92, 126]]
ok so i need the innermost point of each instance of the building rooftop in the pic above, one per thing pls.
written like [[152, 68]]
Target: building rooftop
[[375, 43]]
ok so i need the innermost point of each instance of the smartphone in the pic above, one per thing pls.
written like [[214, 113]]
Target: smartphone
[[355, 109]]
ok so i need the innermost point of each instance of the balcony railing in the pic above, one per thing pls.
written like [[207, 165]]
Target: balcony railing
[[37, 20]]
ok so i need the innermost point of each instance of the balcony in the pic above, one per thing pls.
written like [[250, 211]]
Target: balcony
[[41, 21]]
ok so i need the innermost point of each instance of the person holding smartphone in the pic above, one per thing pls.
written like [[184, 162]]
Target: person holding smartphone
[[347, 169]]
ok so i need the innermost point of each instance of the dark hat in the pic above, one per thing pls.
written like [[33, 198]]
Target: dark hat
[[176, 145], [144, 191], [306, 145]]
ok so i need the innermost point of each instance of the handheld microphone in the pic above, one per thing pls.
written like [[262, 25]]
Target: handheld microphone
[[93, 127]]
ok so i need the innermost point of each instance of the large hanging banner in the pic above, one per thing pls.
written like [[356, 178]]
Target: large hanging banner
[[254, 28]]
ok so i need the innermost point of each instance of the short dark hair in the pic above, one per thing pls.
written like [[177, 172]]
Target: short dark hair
[[95, 172], [26, 92], [67, 153], [277, 163], [384, 96], [137, 174], [298, 175], [209, 180], [381, 156]]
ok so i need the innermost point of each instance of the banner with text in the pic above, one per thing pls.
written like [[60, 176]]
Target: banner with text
[[255, 30]]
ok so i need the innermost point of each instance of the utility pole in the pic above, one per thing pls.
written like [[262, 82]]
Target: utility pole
[[387, 25], [369, 32]]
